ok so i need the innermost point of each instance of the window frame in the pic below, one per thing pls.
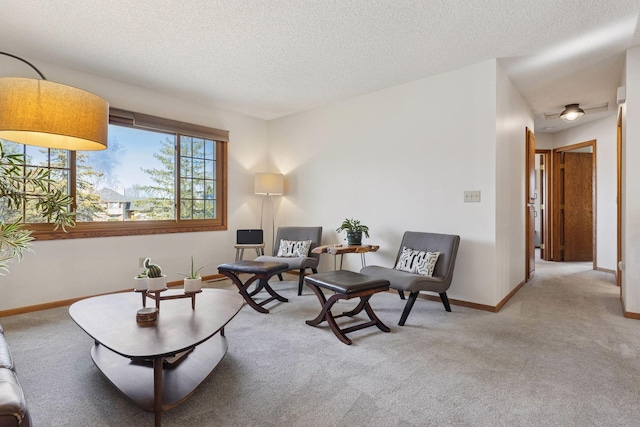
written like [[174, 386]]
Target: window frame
[[45, 231]]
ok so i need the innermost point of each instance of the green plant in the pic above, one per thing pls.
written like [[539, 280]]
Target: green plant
[[193, 274], [153, 270], [20, 186], [142, 275], [353, 226]]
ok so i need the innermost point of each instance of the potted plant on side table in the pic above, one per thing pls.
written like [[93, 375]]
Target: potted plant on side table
[[354, 230], [192, 281]]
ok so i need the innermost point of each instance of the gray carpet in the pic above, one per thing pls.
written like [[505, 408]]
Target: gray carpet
[[558, 354]]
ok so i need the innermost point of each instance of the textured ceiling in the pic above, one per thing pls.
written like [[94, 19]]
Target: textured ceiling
[[271, 58]]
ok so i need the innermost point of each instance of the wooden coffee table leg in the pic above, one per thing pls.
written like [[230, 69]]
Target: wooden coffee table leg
[[157, 389]]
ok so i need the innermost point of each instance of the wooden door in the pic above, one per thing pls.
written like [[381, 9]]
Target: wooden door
[[558, 206], [530, 208], [578, 206]]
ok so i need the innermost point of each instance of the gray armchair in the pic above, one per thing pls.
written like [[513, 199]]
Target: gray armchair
[[299, 263], [446, 244]]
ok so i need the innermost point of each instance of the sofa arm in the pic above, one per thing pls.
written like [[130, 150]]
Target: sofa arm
[[13, 406]]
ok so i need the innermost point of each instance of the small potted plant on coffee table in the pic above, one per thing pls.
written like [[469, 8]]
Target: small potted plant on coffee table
[[354, 230], [141, 281], [192, 281], [156, 281]]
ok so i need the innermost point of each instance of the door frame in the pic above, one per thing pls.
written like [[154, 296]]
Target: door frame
[[619, 199], [545, 200], [594, 198], [529, 195]]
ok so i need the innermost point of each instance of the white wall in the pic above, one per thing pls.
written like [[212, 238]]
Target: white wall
[[544, 141], [631, 185], [73, 268], [397, 159], [400, 159], [604, 132], [512, 117]]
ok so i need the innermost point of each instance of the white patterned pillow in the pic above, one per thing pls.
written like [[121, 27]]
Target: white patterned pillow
[[417, 262], [294, 248]]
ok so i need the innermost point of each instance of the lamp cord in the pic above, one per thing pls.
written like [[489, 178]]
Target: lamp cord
[[273, 228], [26, 62], [273, 222], [261, 212]]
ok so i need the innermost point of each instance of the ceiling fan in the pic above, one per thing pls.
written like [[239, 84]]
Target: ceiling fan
[[573, 112]]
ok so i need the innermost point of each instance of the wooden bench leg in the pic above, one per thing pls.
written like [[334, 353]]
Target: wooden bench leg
[[262, 284], [326, 314], [358, 308], [373, 317], [323, 302], [242, 289]]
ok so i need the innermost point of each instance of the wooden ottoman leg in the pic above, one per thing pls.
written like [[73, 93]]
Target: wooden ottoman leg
[[346, 285], [335, 328], [264, 284], [358, 308], [323, 302], [325, 314], [373, 317], [242, 289]]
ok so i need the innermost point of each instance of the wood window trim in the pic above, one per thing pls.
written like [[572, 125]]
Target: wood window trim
[[134, 228]]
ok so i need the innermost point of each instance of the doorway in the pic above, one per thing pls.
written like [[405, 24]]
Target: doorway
[[542, 234], [573, 228]]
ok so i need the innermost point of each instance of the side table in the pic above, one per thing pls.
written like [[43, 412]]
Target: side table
[[258, 247], [345, 249]]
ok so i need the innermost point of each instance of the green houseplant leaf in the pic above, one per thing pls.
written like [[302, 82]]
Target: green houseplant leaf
[[18, 186], [193, 274], [353, 226]]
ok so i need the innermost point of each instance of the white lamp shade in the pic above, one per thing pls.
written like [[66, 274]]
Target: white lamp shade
[[269, 183], [53, 115]]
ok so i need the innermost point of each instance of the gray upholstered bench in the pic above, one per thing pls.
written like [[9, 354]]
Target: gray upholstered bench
[[346, 285], [261, 271]]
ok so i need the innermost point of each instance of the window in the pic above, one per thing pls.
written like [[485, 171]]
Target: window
[[156, 176]]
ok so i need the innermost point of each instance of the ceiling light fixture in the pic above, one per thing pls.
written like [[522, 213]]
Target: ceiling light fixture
[[572, 113], [52, 115]]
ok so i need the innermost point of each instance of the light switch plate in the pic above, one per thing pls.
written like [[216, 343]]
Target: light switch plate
[[472, 196]]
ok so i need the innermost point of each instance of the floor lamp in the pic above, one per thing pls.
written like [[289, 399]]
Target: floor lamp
[[269, 184]]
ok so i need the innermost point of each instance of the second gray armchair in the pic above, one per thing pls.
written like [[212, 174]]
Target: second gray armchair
[[439, 281]]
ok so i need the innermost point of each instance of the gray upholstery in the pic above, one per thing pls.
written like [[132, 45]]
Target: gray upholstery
[[446, 244], [13, 406], [297, 233]]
